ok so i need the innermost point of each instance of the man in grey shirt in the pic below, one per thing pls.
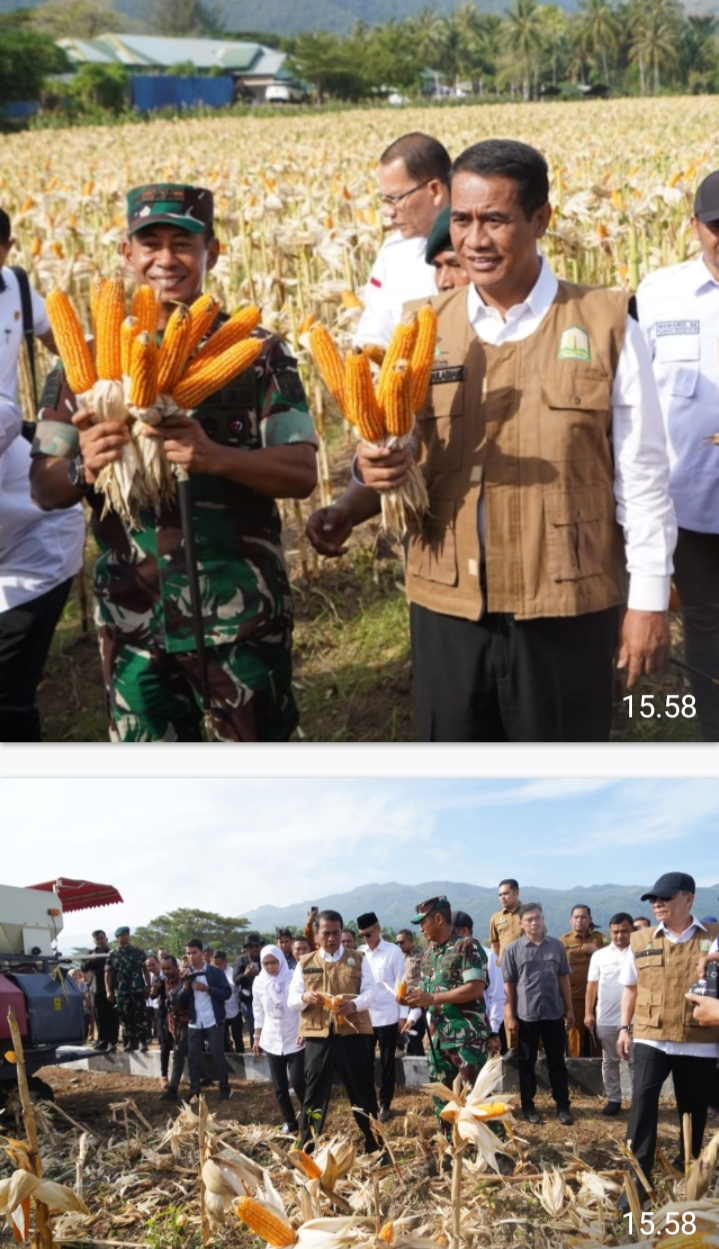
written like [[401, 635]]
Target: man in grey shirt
[[539, 1004]]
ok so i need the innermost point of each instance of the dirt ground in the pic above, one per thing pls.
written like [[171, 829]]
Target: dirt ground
[[93, 1102]]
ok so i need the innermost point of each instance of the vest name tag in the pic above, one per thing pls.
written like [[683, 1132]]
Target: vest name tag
[[676, 327], [447, 373], [657, 955], [313, 971]]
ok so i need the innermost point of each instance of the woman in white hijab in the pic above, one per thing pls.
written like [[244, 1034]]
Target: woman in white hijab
[[276, 1032]]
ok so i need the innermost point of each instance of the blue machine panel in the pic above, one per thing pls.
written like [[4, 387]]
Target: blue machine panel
[[54, 1009]]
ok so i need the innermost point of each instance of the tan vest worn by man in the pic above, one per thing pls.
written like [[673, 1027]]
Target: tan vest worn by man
[[578, 1046], [505, 926], [527, 425], [667, 971], [343, 976]]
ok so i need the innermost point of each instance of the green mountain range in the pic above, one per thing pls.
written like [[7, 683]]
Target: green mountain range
[[395, 904]]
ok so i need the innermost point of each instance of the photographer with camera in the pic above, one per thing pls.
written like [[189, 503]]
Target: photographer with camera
[[205, 989], [176, 1021], [659, 970]]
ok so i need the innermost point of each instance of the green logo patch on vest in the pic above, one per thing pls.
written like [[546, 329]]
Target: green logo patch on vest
[[706, 947], [574, 345]]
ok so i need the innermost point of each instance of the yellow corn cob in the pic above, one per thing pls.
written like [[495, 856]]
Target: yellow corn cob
[[265, 1222], [398, 414], [239, 327], [143, 371], [401, 994], [204, 377], [110, 316], [329, 362], [173, 349], [374, 352], [70, 341], [129, 331], [144, 307], [96, 285], [400, 347], [423, 355], [202, 316], [307, 1165], [306, 323], [489, 1110], [361, 405], [386, 1233]]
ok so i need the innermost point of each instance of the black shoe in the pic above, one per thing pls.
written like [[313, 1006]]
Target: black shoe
[[611, 1109], [289, 1129], [384, 1114], [100, 1046], [127, 1046], [169, 1095], [532, 1115], [565, 1117], [430, 1167], [623, 1206], [447, 1164], [678, 1162], [112, 1047], [144, 1049], [225, 1095], [505, 1164], [193, 1095]]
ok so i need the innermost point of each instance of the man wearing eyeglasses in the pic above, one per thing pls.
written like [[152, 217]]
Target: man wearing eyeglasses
[[413, 178], [387, 965], [658, 972]]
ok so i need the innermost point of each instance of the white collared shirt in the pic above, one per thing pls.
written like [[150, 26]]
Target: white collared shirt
[[629, 976], [399, 274], [641, 470], [605, 966], [204, 1010], [679, 315], [494, 994], [388, 968], [11, 329], [365, 999]]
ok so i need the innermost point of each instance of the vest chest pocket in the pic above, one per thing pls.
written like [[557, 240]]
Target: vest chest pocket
[[439, 426], [432, 552], [578, 532], [649, 1008], [574, 416]]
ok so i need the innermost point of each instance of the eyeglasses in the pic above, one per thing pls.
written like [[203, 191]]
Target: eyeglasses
[[654, 899], [391, 201], [368, 931]]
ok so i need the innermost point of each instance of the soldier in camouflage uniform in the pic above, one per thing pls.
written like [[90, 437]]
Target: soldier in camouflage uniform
[[245, 446], [128, 984], [454, 975]]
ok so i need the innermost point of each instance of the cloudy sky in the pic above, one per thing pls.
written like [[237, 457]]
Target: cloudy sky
[[232, 845]]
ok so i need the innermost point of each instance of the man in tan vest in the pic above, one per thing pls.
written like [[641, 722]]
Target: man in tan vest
[[581, 942], [337, 1038], [543, 448], [505, 926], [657, 974]]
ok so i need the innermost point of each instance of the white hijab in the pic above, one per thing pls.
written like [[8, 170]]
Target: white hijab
[[275, 987]]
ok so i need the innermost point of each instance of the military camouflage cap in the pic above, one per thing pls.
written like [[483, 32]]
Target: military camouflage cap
[[169, 203], [428, 907]]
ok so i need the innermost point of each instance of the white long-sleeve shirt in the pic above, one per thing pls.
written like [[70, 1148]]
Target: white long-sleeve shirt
[[641, 466], [365, 999], [629, 976], [494, 994], [277, 1023], [399, 274], [387, 963]]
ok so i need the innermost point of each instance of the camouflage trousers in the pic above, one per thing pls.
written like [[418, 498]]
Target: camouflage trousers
[[132, 1017], [154, 696], [466, 1060]]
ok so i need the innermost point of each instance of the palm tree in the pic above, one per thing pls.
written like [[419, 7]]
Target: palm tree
[[554, 33], [428, 30], [523, 38], [601, 29], [656, 27]]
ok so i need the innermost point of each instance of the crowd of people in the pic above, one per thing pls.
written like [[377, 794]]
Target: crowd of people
[[563, 445], [345, 1002]]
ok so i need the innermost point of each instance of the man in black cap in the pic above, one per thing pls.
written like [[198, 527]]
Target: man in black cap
[[106, 1021], [657, 974], [244, 970], [245, 446], [388, 969], [678, 310]]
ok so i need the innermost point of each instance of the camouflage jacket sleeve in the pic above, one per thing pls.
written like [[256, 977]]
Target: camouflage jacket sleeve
[[474, 961], [284, 415], [55, 435]]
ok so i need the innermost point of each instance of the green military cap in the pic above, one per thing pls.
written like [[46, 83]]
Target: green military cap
[[427, 908], [120, 931], [169, 203], [439, 240]]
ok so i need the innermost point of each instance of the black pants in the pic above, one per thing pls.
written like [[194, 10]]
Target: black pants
[[280, 1065], [692, 1087], [166, 1045], [233, 1028], [179, 1054], [499, 679], [353, 1060], [386, 1037], [696, 572], [195, 1043], [415, 1044], [25, 637], [554, 1039], [106, 1021]]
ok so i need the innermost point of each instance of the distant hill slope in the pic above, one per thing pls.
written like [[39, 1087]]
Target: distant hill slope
[[395, 904]]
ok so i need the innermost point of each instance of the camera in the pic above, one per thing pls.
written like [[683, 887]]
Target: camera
[[189, 976], [710, 986]]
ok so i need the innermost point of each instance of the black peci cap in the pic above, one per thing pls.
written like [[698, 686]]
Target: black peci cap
[[669, 884], [706, 200], [368, 920], [460, 919]]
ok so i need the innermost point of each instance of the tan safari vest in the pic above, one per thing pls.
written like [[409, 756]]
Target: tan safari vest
[[667, 970], [526, 425], [578, 960], [505, 927], [344, 976]]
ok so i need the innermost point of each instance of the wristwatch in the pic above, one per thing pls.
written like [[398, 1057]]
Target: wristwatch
[[76, 473], [623, 1027]]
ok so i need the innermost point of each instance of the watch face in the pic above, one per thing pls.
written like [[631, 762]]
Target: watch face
[[75, 473]]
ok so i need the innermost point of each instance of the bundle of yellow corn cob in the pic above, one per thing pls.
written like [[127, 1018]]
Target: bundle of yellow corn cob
[[134, 380], [384, 414]]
